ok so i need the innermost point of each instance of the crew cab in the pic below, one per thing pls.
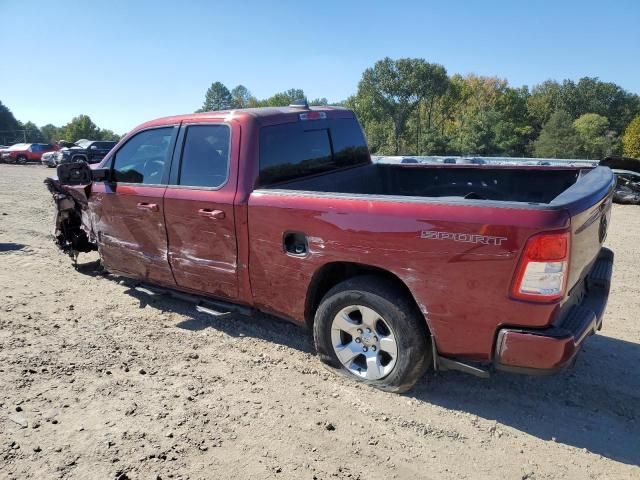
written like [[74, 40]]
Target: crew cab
[[395, 267], [26, 152]]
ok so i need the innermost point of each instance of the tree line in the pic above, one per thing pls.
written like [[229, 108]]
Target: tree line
[[412, 107], [14, 131], [219, 97], [409, 106]]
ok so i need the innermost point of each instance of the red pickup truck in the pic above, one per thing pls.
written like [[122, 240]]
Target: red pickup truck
[[26, 152], [395, 268]]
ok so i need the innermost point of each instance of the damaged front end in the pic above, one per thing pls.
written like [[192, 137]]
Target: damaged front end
[[72, 232]]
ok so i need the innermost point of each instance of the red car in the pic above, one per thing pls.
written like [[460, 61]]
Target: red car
[[26, 152], [395, 267]]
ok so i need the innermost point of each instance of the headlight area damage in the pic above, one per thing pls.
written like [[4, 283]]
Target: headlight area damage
[[71, 218]]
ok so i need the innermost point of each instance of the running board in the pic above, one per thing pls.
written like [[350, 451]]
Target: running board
[[216, 308], [210, 311], [449, 364]]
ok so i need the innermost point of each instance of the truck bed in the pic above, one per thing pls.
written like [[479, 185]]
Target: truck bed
[[512, 183]]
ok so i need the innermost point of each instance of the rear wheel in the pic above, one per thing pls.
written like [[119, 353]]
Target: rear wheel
[[21, 160], [367, 328]]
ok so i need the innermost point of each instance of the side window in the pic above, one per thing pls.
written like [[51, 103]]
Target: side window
[[142, 158], [289, 151], [205, 157]]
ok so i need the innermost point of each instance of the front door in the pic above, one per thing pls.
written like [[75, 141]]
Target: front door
[[128, 212], [199, 210]]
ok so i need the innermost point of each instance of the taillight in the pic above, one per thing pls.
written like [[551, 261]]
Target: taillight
[[542, 272], [313, 116]]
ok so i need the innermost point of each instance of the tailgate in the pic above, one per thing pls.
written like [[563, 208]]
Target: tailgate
[[588, 202]]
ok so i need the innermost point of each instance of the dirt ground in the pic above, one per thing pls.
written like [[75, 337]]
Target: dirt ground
[[100, 381]]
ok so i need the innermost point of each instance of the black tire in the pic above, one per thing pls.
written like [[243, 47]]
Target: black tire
[[21, 160], [401, 314]]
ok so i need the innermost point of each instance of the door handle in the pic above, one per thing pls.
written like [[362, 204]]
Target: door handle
[[214, 214], [148, 206]]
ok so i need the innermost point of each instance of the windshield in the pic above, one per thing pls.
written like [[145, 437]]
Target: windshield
[[18, 146], [83, 143]]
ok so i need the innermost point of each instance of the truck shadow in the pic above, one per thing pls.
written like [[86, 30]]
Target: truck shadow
[[258, 325], [593, 406], [11, 247]]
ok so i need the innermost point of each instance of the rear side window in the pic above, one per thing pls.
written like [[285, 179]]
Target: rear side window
[[104, 145], [205, 157], [298, 149], [142, 158]]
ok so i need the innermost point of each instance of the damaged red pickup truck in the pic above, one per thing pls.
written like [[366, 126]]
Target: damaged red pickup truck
[[395, 267]]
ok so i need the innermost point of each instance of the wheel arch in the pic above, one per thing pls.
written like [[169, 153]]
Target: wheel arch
[[330, 274]]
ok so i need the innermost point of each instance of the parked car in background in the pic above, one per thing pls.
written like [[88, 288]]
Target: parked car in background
[[90, 151], [627, 172], [26, 152], [49, 159]]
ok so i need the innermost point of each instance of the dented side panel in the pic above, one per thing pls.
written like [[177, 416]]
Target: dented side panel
[[460, 282], [128, 221]]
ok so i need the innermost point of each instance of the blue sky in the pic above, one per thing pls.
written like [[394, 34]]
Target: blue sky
[[125, 62]]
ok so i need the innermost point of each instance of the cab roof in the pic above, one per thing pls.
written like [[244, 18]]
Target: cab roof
[[261, 113]]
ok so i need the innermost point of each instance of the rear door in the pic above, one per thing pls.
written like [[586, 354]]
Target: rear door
[[199, 211], [128, 213]]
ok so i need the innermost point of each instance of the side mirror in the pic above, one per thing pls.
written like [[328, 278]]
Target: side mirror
[[93, 147], [79, 173]]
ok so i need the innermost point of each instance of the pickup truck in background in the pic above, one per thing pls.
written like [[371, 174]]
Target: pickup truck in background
[[90, 151], [394, 267]]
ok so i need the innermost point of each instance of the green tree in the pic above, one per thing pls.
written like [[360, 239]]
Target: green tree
[[81, 127], [588, 95], [558, 138], [512, 130], [596, 138], [631, 139], [241, 97], [51, 133], [217, 98], [545, 99], [319, 102], [7, 120], [393, 89], [32, 133], [591, 95], [109, 135], [283, 99]]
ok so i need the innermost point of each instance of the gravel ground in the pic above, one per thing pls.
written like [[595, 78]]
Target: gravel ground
[[100, 381]]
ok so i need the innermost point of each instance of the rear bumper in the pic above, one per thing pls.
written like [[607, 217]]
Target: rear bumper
[[553, 349]]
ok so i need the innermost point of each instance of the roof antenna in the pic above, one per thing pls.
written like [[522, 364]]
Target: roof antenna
[[300, 103]]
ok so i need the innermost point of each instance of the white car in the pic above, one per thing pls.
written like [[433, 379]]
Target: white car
[[49, 159]]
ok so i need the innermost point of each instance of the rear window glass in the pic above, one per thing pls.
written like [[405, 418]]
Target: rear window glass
[[205, 158], [294, 150]]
